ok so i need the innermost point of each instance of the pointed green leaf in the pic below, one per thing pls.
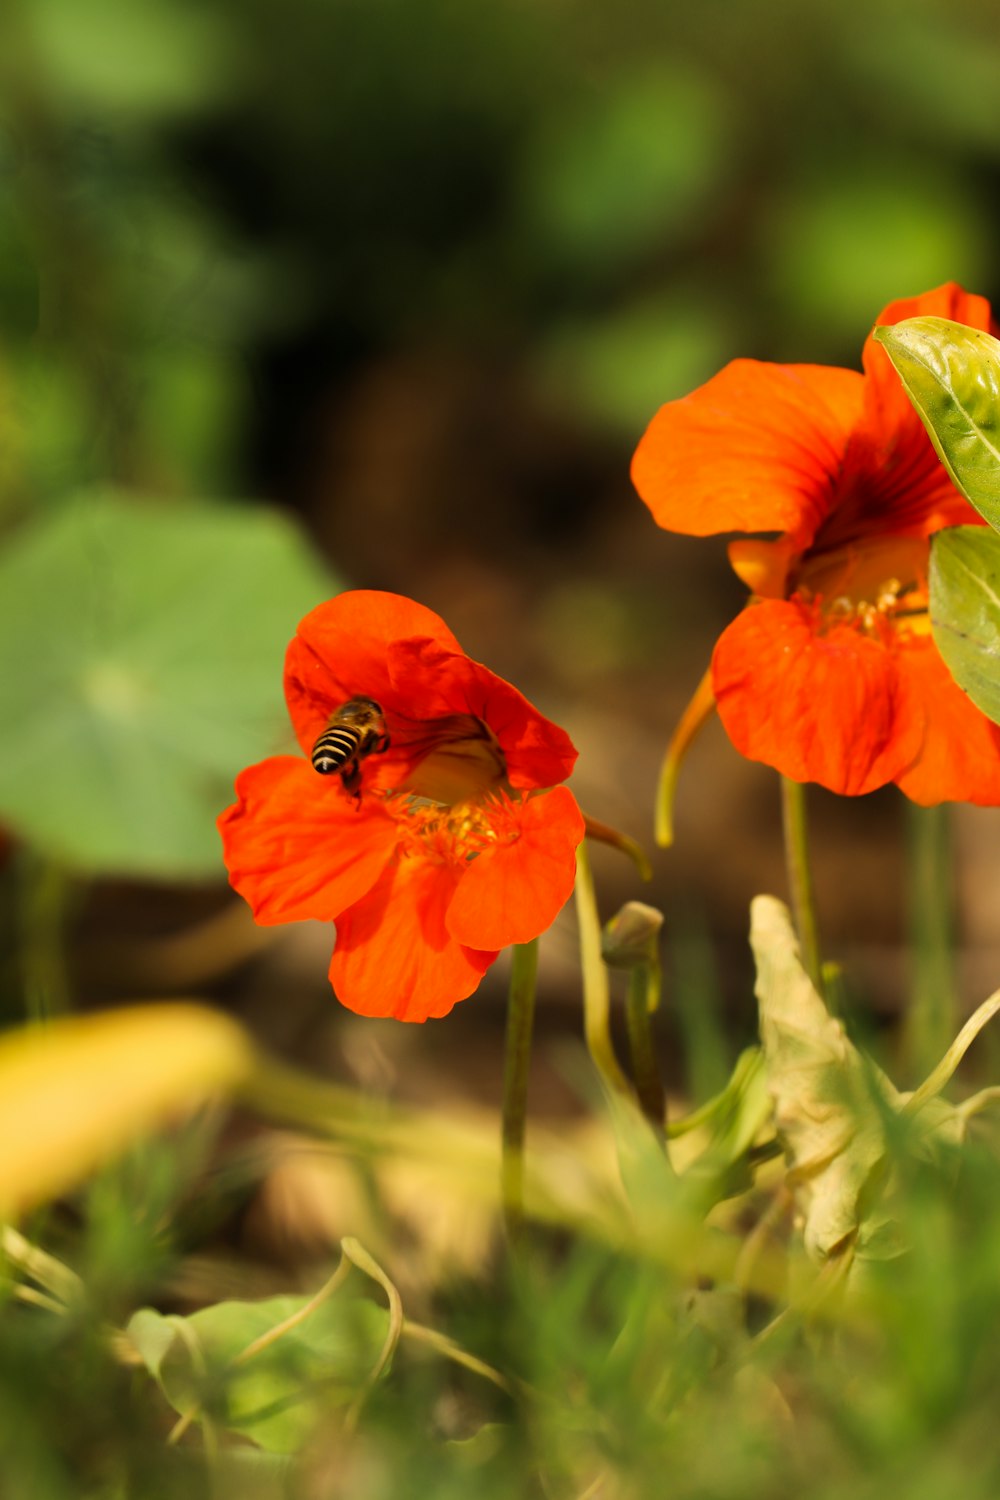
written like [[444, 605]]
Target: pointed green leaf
[[279, 1395], [951, 373], [141, 651], [965, 611]]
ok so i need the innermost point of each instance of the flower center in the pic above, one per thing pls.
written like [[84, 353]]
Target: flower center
[[879, 589], [451, 834]]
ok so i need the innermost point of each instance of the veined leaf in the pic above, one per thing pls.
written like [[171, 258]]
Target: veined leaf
[[965, 611], [951, 373]]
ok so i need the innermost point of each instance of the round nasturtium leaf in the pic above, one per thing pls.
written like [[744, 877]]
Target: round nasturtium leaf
[[951, 373], [141, 652], [965, 611]]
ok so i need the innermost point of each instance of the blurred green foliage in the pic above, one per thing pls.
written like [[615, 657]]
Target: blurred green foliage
[[157, 641], [211, 217]]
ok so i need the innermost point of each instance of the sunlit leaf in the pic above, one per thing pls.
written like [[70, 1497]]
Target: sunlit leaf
[[952, 375], [77, 1091], [965, 611], [141, 652], [277, 1396]]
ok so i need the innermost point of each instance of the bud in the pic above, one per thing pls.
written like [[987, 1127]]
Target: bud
[[631, 939]]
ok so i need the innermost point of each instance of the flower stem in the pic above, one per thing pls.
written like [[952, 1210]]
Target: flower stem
[[45, 894], [793, 823], [931, 1021], [648, 1084], [596, 991], [693, 719], [520, 1025]]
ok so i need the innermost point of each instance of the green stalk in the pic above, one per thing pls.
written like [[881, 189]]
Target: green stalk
[[800, 886], [517, 1061], [648, 1084], [596, 991], [931, 1020], [45, 892]]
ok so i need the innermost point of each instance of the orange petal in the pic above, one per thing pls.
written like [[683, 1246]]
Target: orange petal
[[959, 760], [340, 651], [296, 847], [758, 448], [825, 708], [440, 682], [394, 955], [516, 889]]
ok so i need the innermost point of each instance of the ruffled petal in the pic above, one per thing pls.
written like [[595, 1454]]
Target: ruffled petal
[[758, 448], [440, 682], [296, 848], [818, 707], [394, 955], [959, 760], [516, 889], [341, 651]]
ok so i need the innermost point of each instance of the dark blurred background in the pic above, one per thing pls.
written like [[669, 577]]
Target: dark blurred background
[[418, 275]]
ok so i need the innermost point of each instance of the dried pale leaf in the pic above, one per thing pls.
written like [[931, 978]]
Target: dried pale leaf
[[829, 1100], [77, 1091], [833, 1107]]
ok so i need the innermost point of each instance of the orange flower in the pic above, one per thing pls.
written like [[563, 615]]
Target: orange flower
[[449, 852], [831, 673]]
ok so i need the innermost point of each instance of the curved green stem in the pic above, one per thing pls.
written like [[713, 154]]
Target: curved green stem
[[517, 1060], [45, 899], [800, 886], [931, 1017], [596, 991], [648, 1084]]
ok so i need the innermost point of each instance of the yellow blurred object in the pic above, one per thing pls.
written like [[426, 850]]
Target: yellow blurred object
[[75, 1092]]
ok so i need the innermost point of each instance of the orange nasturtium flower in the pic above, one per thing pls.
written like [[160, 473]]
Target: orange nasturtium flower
[[458, 842], [830, 674]]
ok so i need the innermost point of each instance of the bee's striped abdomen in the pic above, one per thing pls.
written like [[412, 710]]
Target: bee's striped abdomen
[[335, 747]]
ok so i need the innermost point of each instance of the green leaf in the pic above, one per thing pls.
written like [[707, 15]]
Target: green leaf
[[965, 611], [951, 373], [276, 1397], [141, 652]]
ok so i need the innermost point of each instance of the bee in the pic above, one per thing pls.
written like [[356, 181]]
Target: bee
[[356, 730]]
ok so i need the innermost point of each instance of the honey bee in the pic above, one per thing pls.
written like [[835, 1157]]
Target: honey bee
[[356, 730]]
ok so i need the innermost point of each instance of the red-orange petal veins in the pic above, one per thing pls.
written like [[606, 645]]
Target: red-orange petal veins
[[758, 448], [394, 955], [296, 848], [818, 704], [341, 651], [537, 752], [517, 886]]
